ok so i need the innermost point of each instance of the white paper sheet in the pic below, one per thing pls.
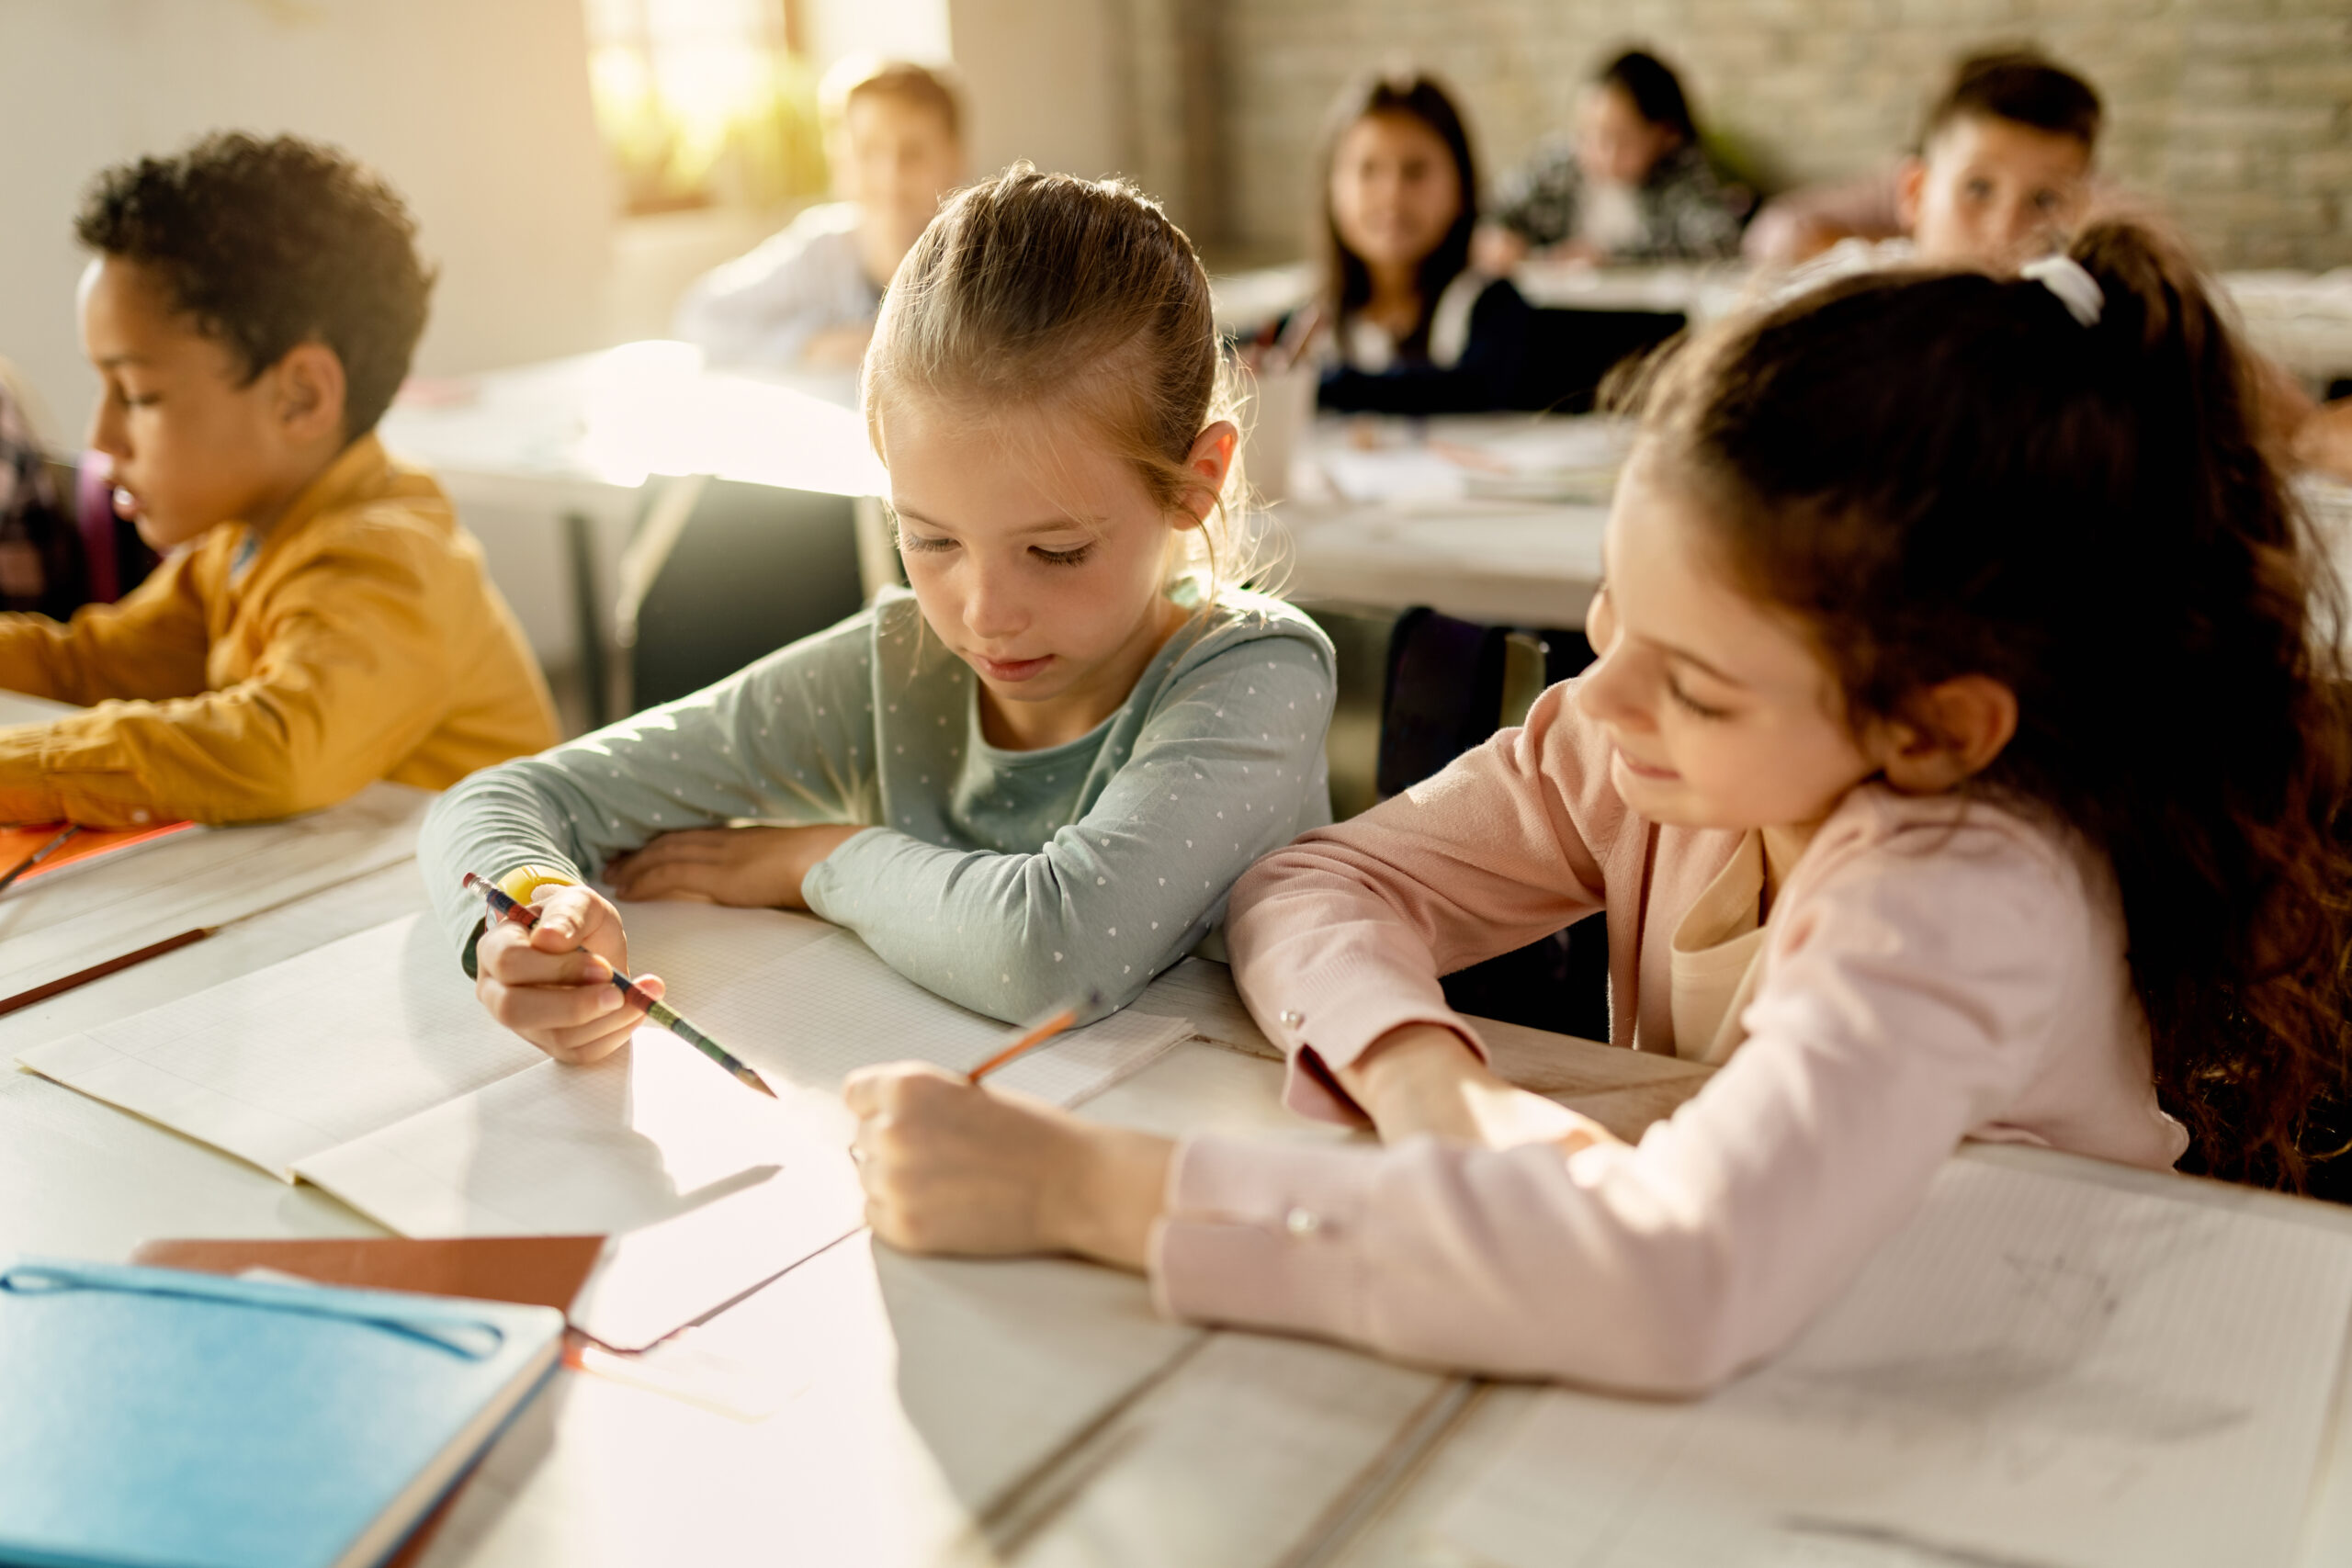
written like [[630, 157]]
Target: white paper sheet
[[368, 1067], [2037, 1371], [808, 1003], [50, 930], [296, 1058], [655, 1130], [644, 1136]]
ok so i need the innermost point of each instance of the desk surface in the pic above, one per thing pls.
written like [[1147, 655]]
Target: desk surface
[[893, 1410], [930, 1410], [615, 417]]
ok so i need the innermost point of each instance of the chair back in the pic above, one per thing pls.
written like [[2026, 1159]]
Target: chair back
[[721, 573]]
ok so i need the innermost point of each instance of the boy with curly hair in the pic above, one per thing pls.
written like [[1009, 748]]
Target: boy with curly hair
[[321, 621]]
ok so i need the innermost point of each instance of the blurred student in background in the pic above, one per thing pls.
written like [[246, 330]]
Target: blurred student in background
[[1630, 185], [1403, 322], [806, 299], [2002, 174]]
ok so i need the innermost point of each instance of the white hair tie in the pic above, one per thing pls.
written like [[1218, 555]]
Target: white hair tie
[[2075, 287]]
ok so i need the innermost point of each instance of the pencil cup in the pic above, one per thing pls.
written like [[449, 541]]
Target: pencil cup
[[1280, 405]]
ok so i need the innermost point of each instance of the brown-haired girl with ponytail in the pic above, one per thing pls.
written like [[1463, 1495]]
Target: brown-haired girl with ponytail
[[1963, 762], [1035, 776]]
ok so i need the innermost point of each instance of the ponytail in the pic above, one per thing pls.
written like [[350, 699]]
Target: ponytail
[[1947, 474]]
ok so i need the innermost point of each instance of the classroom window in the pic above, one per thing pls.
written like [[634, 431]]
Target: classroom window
[[705, 103]]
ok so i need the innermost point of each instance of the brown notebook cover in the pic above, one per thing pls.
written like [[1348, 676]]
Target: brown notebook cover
[[536, 1270]]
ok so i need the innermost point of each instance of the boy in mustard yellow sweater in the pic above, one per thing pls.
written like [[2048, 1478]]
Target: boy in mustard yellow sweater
[[321, 620]]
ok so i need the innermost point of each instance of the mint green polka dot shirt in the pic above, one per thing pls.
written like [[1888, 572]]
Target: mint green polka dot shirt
[[1005, 881]]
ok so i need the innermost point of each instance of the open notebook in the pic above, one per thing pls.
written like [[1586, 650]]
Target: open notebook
[[2037, 1371], [367, 1067]]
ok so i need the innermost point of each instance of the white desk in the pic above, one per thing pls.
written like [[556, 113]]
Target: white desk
[[932, 1411], [1509, 562], [525, 451], [1500, 562], [2301, 320], [1396, 1533], [926, 1411]]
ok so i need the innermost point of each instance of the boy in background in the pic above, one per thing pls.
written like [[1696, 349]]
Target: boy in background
[[2003, 170], [321, 621], [807, 297], [806, 300]]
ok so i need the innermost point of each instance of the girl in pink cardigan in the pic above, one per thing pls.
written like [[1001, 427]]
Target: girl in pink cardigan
[[1961, 762]]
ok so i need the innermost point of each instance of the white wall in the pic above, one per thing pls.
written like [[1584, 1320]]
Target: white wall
[[901, 30], [476, 109], [1047, 80]]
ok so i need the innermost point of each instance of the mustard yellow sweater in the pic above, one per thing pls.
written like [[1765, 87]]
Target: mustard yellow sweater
[[361, 640]]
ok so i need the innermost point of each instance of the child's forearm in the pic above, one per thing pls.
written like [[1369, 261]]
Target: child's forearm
[[1116, 1191], [1408, 1069], [1421, 1079]]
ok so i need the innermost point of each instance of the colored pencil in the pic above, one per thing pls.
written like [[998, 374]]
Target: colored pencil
[[1037, 1035], [100, 971], [37, 856], [660, 1012]]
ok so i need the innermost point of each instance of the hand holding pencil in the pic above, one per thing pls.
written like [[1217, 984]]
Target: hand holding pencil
[[595, 967], [547, 982]]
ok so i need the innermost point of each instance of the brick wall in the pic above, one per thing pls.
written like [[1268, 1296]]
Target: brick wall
[[2237, 114]]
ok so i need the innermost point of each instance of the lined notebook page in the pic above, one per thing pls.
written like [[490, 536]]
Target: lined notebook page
[[808, 1003], [644, 1136], [2036, 1370], [660, 1130], [305, 1054]]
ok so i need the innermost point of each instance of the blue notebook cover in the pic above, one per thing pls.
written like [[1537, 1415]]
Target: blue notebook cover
[[165, 1419]]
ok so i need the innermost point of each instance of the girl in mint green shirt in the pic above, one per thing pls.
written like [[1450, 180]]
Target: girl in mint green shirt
[[1038, 773]]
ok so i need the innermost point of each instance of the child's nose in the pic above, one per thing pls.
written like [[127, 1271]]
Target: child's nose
[[1605, 695], [106, 433], [991, 605]]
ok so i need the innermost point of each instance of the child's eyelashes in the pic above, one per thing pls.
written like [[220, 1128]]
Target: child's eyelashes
[[925, 545], [1696, 708]]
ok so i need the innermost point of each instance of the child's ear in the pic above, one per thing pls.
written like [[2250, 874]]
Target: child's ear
[[1955, 730], [1910, 185], [1212, 459], [310, 392]]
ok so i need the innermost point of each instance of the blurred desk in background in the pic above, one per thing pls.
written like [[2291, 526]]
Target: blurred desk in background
[[1494, 518], [548, 466], [2300, 319]]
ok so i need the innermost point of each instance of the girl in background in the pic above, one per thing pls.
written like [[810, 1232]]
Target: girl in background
[[1964, 760], [1402, 324], [1039, 772], [1630, 185]]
